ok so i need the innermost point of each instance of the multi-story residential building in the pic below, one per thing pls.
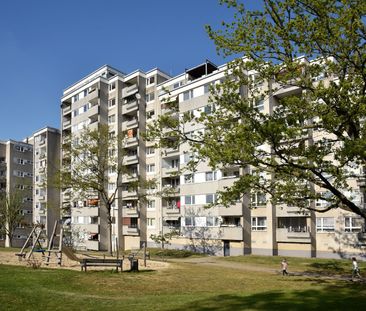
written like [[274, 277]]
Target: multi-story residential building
[[46, 193], [108, 96], [254, 225], [16, 173]]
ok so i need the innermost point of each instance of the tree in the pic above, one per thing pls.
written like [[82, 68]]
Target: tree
[[93, 155], [307, 60], [10, 213]]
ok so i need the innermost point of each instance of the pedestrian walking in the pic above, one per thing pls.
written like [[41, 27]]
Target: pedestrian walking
[[355, 268], [284, 266]]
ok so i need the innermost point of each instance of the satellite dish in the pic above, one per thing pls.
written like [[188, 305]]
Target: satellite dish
[[138, 96]]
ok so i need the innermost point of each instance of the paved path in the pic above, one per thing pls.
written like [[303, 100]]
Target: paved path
[[217, 262]]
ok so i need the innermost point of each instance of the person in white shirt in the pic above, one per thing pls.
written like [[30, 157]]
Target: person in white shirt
[[355, 269]]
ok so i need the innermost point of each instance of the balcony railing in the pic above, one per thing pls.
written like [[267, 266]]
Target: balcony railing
[[293, 235], [130, 90]]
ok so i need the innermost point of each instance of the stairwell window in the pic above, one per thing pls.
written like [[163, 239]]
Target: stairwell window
[[150, 222], [112, 102], [150, 168], [112, 119], [112, 86]]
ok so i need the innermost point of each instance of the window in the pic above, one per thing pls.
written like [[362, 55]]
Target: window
[[189, 199], [150, 222], [151, 204], [209, 109], [112, 86], [150, 80], [111, 119], [212, 221], [111, 186], [150, 150], [210, 198], [150, 96], [112, 102], [352, 224], [174, 163], [325, 224], [150, 114], [178, 84], [188, 179], [259, 223], [150, 168], [211, 176], [259, 104], [206, 88], [189, 221], [188, 95], [258, 199], [187, 157]]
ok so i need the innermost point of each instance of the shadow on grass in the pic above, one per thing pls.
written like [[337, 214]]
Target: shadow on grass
[[331, 297], [328, 268]]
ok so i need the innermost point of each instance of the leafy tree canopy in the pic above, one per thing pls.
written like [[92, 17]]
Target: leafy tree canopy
[[305, 60]]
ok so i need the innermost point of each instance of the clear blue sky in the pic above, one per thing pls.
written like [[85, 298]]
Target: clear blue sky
[[47, 45]]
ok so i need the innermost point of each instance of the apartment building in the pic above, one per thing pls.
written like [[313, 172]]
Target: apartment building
[[128, 102], [16, 173], [46, 193], [110, 97]]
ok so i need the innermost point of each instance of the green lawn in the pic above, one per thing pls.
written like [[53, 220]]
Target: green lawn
[[184, 286], [307, 265]]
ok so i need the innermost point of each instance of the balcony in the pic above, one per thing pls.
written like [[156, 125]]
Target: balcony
[[93, 228], [126, 125], [131, 106], [93, 95], [232, 233], [42, 170], [130, 211], [94, 110], [171, 210], [130, 90], [283, 211], [42, 198], [66, 110], [170, 191], [42, 211], [226, 182], [42, 156], [291, 236], [42, 142], [129, 178], [129, 194], [92, 245], [132, 159], [286, 90], [232, 210], [91, 211], [168, 171], [131, 142], [131, 230], [170, 152], [66, 124]]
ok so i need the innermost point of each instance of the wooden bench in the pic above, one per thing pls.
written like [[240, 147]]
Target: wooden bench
[[94, 262]]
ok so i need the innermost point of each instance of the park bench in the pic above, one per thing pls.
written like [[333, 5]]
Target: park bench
[[95, 262]]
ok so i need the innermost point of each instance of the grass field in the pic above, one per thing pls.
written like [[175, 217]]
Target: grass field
[[183, 286]]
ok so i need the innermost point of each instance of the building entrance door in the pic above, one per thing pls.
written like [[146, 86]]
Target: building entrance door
[[226, 248]]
